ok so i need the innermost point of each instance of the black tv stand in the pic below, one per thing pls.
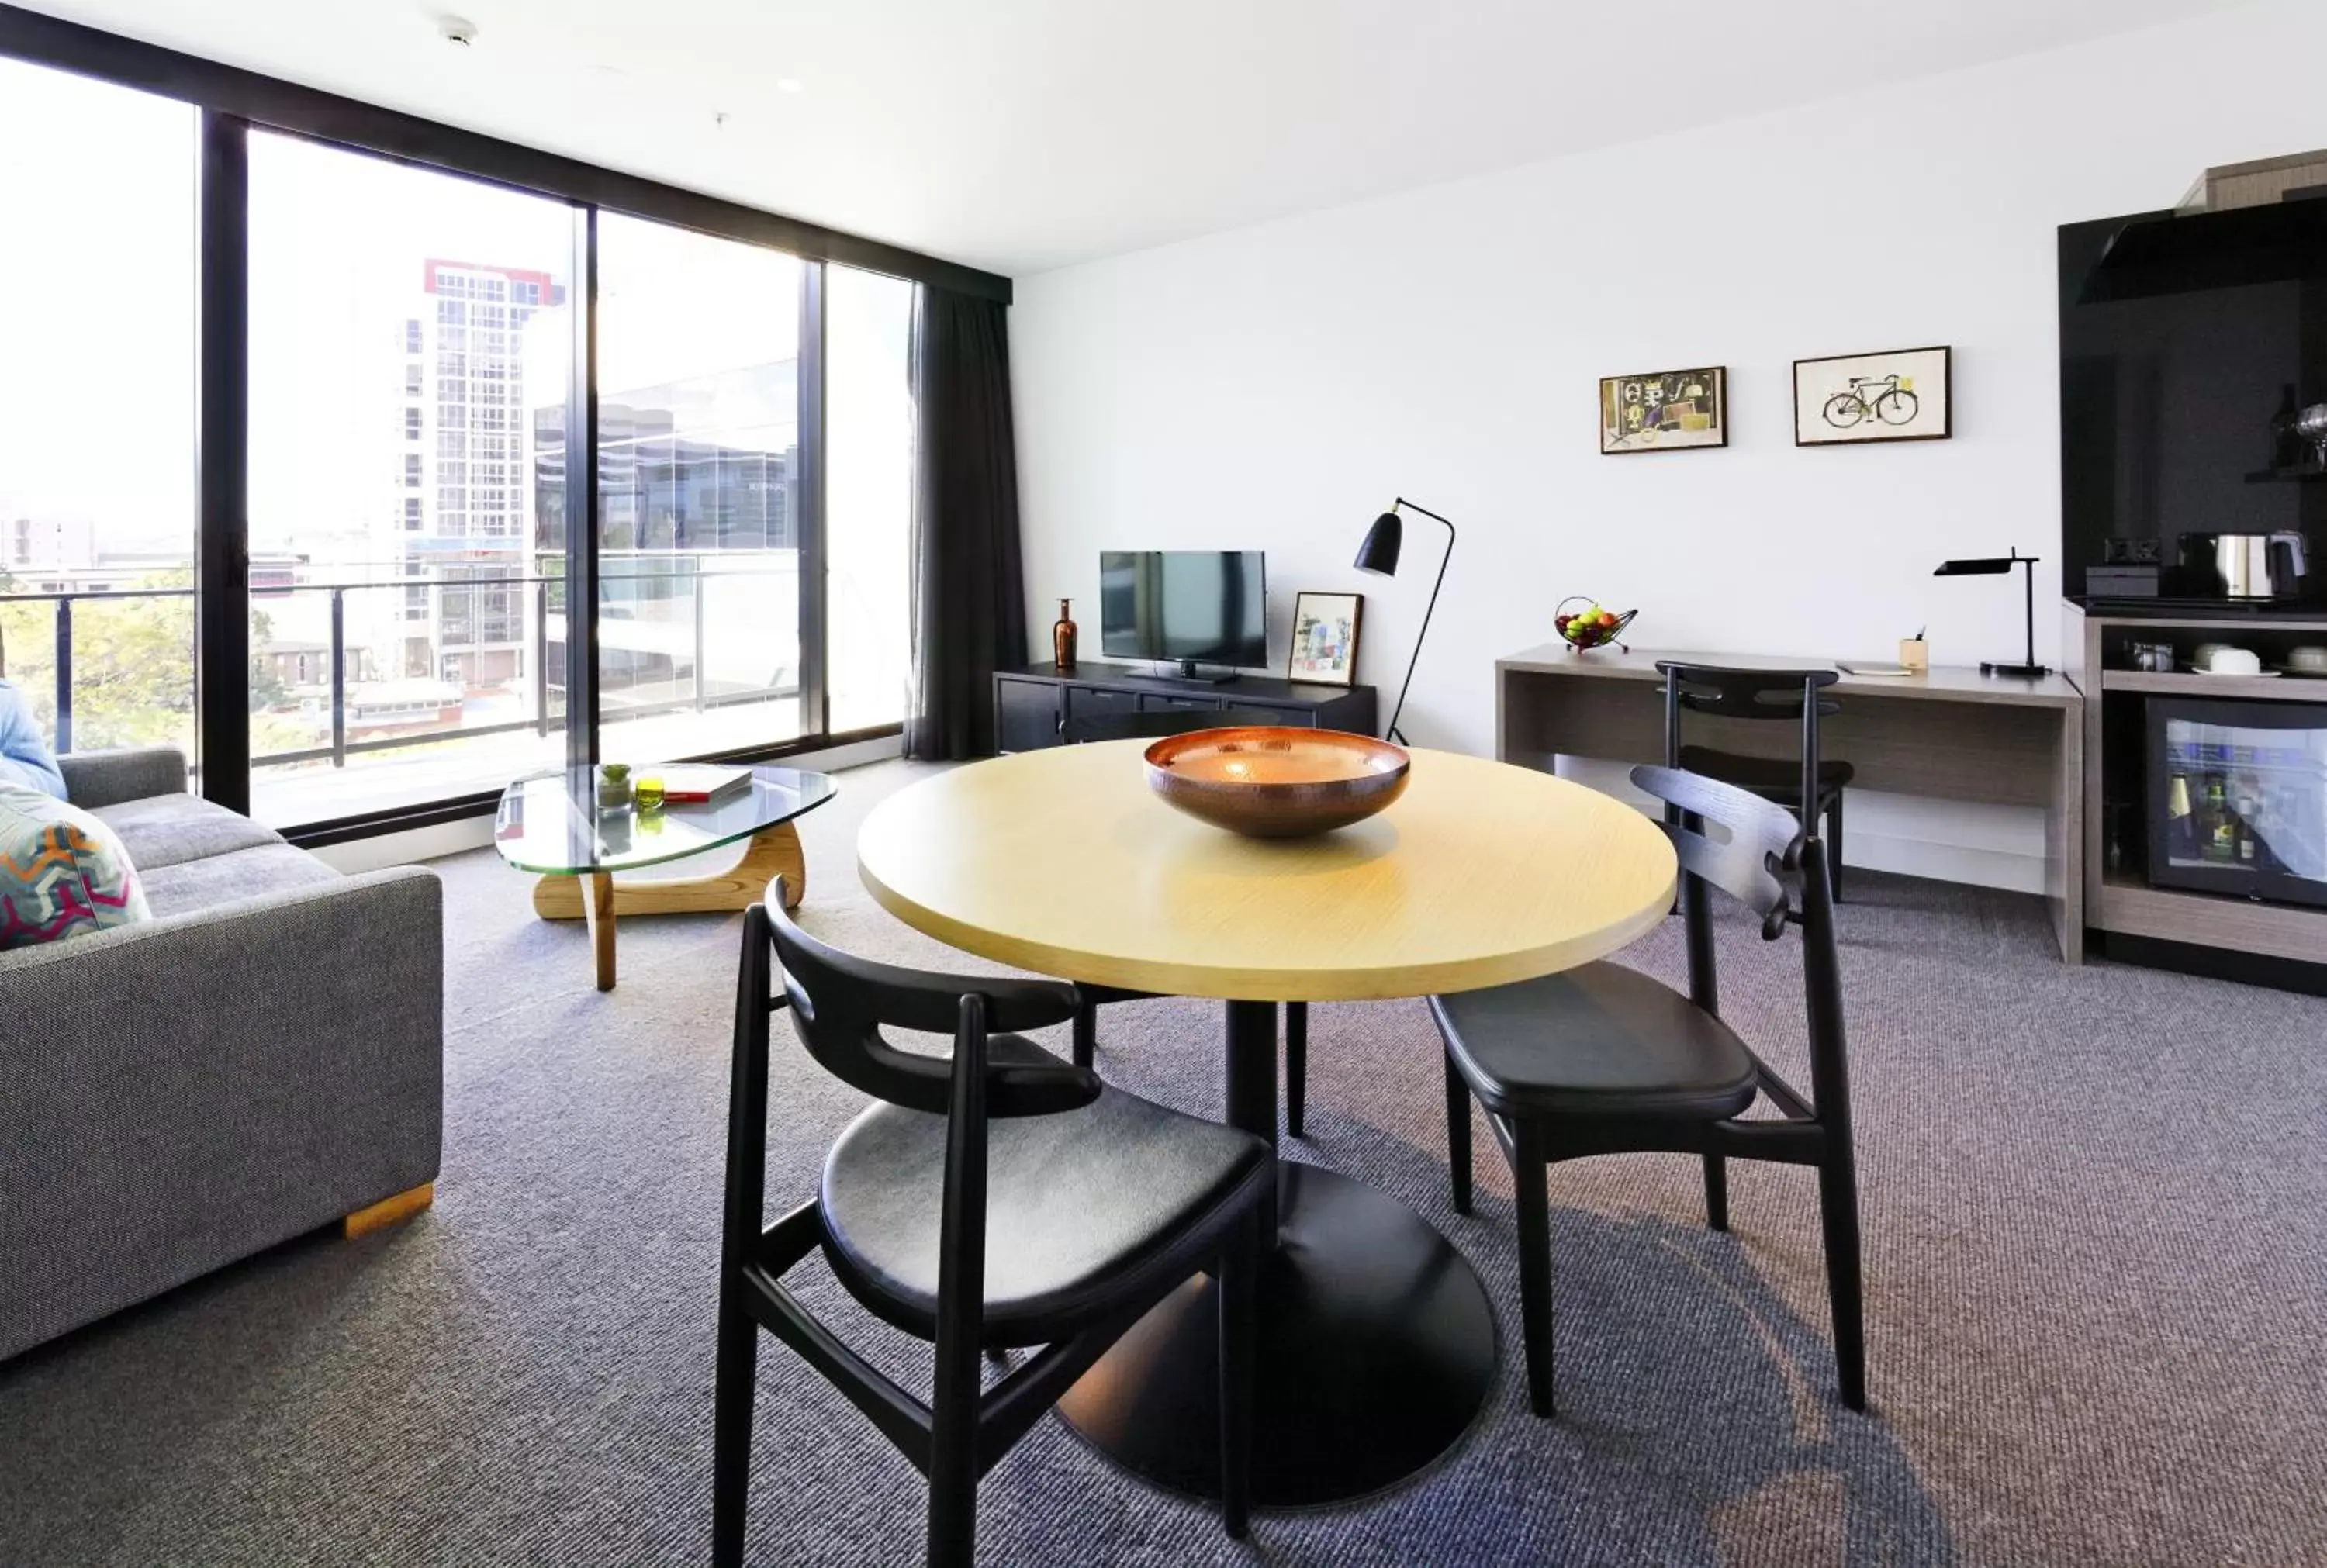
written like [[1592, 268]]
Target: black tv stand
[[1033, 702]]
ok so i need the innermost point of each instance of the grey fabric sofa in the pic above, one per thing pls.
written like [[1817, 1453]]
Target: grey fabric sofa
[[263, 1058]]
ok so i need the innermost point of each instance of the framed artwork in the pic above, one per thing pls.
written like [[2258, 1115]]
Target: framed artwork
[[1325, 638], [1904, 395], [1665, 410]]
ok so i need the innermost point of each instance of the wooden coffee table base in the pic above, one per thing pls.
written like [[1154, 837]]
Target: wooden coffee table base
[[598, 899]]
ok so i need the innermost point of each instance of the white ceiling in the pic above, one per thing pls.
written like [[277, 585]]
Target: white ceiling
[[1023, 135]]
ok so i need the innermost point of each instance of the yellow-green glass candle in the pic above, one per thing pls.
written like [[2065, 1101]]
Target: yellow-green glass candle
[[650, 792]]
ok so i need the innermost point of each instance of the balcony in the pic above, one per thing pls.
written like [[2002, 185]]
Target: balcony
[[357, 709]]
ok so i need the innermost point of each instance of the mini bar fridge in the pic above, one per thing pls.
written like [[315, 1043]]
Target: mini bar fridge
[[2237, 798]]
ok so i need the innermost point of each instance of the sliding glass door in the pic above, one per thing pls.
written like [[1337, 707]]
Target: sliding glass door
[[312, 414], [97, 408], [700, 531], [409, 352], [868, 494]]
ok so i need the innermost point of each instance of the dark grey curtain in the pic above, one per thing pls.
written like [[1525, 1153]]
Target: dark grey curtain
[[968, 591]]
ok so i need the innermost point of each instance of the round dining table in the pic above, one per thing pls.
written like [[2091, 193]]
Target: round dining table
[[1377, 1342]]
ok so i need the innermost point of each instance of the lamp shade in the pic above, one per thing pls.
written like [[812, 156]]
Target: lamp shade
[[1378, 554], [1981, 565]]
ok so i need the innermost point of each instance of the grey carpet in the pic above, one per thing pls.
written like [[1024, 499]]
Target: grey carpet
[[2095, 1265]]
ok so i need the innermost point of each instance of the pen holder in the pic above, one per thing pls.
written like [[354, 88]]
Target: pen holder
[[1915, 654]]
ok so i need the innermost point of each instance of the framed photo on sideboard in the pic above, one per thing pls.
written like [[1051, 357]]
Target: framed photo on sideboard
[[1325, 638]]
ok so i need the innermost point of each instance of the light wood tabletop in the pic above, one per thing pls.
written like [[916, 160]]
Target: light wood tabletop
[[1062, 862]]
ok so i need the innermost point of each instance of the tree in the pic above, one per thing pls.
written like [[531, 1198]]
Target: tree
[[267, 689], [132, 662]]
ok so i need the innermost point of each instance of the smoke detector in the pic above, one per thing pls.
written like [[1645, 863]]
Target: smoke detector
[[457, 30]]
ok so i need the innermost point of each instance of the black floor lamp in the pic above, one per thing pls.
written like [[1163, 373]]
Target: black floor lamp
[[1378, 555]]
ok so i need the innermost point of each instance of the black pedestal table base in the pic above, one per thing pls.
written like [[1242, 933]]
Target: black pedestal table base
[[1377, 1344]]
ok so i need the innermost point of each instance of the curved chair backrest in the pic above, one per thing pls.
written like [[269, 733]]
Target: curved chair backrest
[[1764, 858], [1791, 695], [839, 1004], [1762, 850], [1157, 723], [1746, 694]]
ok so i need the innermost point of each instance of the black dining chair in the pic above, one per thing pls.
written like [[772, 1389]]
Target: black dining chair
[[1155, 724], [1793, 696], [941, 1211], [1603, 1059]]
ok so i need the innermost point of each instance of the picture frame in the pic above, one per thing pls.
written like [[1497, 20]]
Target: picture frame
[[1325, 630], [1664, 411], [1864, 399]]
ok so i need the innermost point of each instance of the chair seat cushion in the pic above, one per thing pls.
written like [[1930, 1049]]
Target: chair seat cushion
[[1600, 1040], [1076, 1202], [1770, 777]]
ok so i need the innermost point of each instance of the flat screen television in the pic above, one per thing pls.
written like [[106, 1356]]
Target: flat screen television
[[1191, 606]]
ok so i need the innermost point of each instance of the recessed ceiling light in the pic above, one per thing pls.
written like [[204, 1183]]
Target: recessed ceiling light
[[789, 84]]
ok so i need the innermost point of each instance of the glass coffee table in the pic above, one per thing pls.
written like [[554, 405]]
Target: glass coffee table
[[551, 823]]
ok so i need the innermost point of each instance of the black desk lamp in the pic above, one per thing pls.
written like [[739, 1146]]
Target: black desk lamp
[[1378, 555], [1996, 566]]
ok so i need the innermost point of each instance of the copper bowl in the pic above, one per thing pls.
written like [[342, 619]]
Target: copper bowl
[[1271, 782]]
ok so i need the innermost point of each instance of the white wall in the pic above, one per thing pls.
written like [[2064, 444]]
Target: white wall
[[1273, 388]]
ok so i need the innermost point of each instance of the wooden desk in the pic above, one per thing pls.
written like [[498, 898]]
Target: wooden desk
[[1952, 734], [1377, 1344]]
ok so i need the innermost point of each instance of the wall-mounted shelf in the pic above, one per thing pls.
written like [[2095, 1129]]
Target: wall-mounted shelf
[[2267, 688], [2154, 616]]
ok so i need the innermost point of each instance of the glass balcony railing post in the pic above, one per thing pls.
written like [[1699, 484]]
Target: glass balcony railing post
[[64, 673], [699, 581], [338, 678], [541, 658]]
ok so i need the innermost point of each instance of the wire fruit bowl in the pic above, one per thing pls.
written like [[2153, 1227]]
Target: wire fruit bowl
[[1590, 627]]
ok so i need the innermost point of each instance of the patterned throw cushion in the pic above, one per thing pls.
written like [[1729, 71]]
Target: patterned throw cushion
[[63, 873]]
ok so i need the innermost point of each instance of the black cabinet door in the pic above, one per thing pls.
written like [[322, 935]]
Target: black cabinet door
[[1026, 715], [1084, 701], [1298, 718]]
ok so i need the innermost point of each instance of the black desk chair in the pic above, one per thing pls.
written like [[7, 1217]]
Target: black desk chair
[[941, 1211], [1790, 695], [1154, 726], [1603, 1059]]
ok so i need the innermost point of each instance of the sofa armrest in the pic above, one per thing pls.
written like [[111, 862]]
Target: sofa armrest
[[94, 779], [181, 1093]]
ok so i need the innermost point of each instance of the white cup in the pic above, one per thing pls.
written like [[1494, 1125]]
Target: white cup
[[2311, 656], [2233, 661]]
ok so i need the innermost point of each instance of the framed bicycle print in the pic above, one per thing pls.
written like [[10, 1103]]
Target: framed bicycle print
[[1849, 399]]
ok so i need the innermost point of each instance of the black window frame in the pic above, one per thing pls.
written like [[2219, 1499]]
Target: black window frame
[[232, 101]]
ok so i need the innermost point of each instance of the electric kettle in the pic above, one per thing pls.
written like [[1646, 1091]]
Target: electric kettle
[[2245, 565]]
